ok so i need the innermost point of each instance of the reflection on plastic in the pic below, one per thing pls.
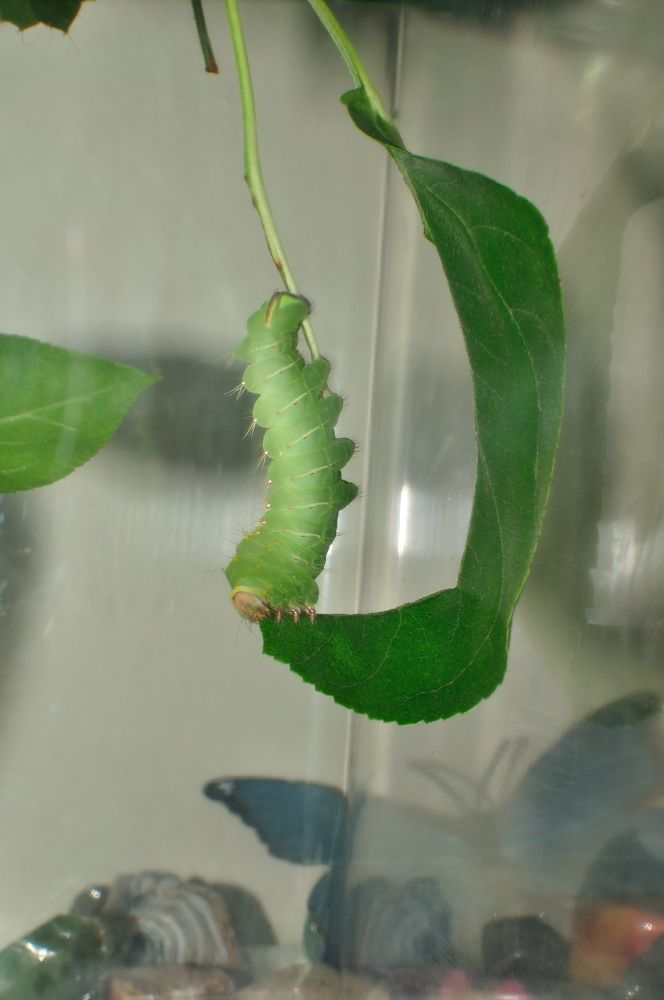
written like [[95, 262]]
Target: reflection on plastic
[[397, 871]]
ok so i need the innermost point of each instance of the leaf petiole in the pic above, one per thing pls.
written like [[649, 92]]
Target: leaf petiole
[[253, 173], [203, 37], [355, 65], [351, 57]]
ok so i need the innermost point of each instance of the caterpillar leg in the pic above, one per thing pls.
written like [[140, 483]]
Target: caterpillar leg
[[308, 611], [253, 609]]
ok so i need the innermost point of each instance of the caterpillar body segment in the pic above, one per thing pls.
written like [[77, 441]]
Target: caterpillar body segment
[[274, 569]]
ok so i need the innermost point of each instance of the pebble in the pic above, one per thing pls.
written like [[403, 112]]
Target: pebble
[[169, 982], [608, 938], [525, 949], [644, 979], [313, 982], [629, 869]]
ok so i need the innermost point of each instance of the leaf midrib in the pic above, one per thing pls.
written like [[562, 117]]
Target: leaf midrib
[[67, 402]]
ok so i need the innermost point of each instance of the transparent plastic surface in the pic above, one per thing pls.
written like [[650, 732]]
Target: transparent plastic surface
[[534, 820], [514, 851]]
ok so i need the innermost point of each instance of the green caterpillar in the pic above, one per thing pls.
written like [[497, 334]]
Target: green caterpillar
[[274, 569]]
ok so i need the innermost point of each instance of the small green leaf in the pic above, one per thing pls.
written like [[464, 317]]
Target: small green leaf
[[57, 409], [441, 655], [53, 13]]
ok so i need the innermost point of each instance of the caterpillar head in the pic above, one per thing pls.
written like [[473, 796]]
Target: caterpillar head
[[250, 606]]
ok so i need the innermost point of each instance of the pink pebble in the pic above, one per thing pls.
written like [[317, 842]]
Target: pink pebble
[[457, 983], [510, 989]]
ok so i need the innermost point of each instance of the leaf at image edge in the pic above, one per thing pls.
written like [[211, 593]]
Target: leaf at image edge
[[57, 409], [444, 653], [27, 13]]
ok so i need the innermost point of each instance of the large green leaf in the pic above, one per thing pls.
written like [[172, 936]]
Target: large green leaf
[[26, 13], [57, 409], [441, 655]]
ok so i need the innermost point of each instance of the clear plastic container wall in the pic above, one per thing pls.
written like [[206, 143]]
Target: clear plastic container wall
[[517, 847]]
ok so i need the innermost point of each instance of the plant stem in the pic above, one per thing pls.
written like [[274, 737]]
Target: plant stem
[[352, 59], [253, 173], [203, 37]]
